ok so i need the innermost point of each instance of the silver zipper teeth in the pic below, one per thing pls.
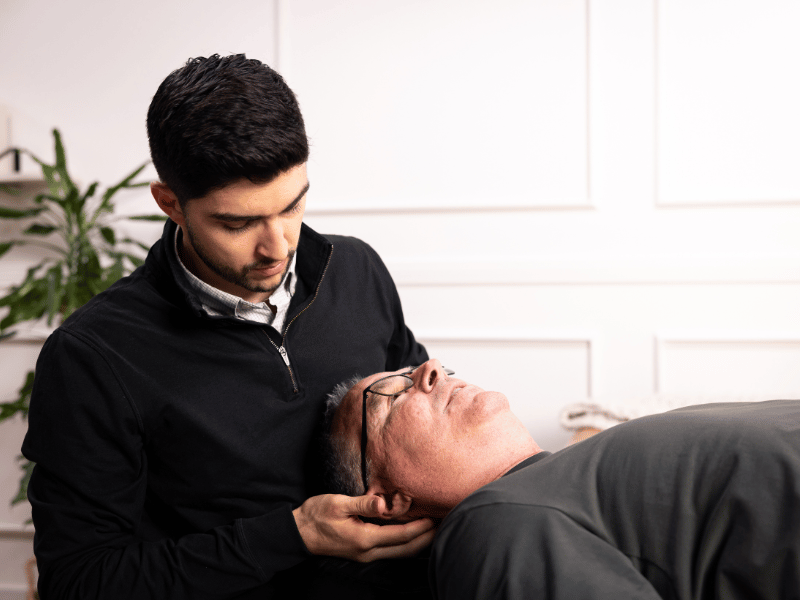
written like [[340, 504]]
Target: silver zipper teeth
[[282, 348]]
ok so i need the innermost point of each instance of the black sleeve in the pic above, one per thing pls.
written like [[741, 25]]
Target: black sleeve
[[404, 350], [88, 493], [513, 551]]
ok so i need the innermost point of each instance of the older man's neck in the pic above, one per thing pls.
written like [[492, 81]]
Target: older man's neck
[[520, 461]]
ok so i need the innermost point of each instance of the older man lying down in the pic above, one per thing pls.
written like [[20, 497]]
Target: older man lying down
[[701, 502]]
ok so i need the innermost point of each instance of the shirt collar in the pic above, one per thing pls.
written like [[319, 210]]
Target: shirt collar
[[219, 303], [528, 461]]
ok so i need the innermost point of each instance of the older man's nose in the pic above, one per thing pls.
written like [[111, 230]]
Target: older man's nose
[[429, 373]]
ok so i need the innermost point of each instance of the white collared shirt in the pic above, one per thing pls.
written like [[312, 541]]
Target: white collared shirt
[[218, 303]]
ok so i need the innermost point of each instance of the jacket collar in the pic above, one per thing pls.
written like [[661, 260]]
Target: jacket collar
[[312, 255]]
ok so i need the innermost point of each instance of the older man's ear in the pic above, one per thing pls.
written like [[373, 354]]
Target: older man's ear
[[395, 506]]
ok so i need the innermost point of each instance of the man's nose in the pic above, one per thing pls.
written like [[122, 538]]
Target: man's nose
[[272, 242], [428, 374]]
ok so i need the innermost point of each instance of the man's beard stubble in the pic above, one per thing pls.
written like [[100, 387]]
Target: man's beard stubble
[[231, 275]]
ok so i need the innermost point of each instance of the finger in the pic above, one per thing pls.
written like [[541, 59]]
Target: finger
[[369, 505], [396, 535], [406, 550]]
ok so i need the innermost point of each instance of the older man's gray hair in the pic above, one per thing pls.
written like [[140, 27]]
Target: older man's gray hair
[[342, 456]]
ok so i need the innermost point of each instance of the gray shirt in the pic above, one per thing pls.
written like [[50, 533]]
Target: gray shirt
[[701, 502]]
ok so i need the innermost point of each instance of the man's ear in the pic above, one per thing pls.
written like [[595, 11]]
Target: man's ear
[[397, 505], [167, 201]]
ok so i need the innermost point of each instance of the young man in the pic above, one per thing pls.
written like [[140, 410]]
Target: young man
[[698, 503], [172, 417]]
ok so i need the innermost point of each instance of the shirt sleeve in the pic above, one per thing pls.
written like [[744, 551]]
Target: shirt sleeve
[[516, 551], [88, 493]]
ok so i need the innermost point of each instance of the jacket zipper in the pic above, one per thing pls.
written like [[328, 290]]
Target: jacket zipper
[[282, 348]]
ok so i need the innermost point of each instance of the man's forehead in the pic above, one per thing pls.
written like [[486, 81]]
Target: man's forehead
[[351, 406], [357, 391]]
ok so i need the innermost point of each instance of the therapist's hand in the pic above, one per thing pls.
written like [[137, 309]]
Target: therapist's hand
[[329, 526]]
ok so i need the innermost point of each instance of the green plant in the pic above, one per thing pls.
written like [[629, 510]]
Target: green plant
[[85, 257]]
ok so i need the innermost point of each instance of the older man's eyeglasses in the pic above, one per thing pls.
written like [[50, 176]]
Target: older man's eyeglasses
[[391, 385]]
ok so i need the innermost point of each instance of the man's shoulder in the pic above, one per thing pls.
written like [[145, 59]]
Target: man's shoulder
[[712, 424], [508, 509], [351, 245], [350, 255], [520, 488], [125, 306]]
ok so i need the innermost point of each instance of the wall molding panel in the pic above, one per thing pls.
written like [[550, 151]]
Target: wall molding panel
[[478, 340], [570, 271], [720, 93], [647, 270], [747, 365], [323, 207], [12, 531], [459, 128]]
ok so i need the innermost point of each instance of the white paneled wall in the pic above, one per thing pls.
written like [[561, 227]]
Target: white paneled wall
[[577, 198], [441, 104], [727, 102], [651, 239]]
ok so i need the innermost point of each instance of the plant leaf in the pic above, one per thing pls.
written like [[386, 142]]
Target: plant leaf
[[40, 198], [9, 409], [11, 213], [141, 245], [106, 205], [72, 202], [109, 235], [161, 218], [90, 192], [29, 306], [27, 470], [55, 292], [20, 405], [39, 229], [114, 273], [5, 247], [136, 261], [27, 300], [23, 287], [126, 181], [61, 160]]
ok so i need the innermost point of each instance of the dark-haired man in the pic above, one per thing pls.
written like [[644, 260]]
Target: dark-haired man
[[172, 417], [698, 503]]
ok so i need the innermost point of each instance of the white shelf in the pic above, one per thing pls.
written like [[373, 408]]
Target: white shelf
[[20, 179], [16, 531]]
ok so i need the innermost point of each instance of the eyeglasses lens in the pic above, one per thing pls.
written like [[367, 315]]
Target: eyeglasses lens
[[392, 385]]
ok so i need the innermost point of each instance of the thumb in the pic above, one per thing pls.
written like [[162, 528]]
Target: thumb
[[370, 506]]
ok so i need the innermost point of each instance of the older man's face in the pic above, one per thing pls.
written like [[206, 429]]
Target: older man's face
[[436, 442]]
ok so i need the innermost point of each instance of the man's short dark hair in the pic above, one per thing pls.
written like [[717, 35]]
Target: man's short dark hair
[[220, 119]]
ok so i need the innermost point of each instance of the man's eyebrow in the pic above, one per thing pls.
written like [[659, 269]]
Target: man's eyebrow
[[228, 217], [373, 400], [299, 197], [232, 217]]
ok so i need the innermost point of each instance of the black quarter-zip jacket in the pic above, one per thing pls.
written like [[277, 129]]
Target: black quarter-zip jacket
[[171, 446]]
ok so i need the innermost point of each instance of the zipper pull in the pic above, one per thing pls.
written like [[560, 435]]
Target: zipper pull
[[284, 355]]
